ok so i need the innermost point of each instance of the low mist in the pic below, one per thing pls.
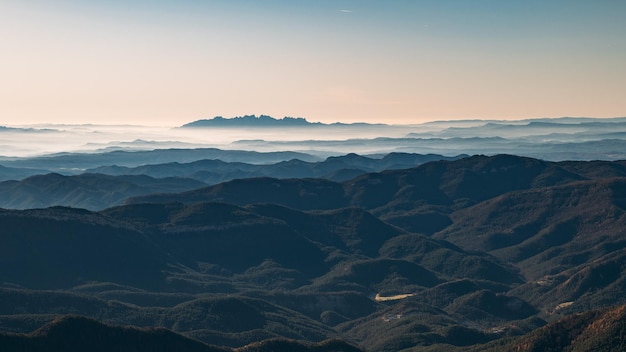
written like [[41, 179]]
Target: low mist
[[550, 139]]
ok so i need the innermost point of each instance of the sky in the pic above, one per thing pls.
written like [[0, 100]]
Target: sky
[[169, 62]]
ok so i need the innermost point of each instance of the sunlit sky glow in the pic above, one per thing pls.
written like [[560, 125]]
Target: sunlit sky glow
[[169, 62]]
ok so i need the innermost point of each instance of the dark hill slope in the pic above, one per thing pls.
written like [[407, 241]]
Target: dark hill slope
[[350, 229], [597, 283], [567, 240], [551, 244], [219, 319], [209, 171], [225, 235], [88, 191], [599, 330], [465, 181], [410, 324], [73, 333], [448, 259], [418, 199], [165, 245], [371, 276], [281, 345], [596, 169], [303, 194], [197, 268], [521, 226], [82, 334], [216, 171], [60, 247], [436, 183]]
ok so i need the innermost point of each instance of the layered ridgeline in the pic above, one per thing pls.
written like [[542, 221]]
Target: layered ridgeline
[[266, 121], [79, 162], [448, 255], [73, 333], [109, 185], [251, 121], [548, 138], [91, 146]]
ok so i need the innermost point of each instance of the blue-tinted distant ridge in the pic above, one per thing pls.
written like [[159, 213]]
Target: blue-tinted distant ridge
[[250, 121], [262, 121]]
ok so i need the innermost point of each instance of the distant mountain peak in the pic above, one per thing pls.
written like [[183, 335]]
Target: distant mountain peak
[[251, 121], [268, 121]]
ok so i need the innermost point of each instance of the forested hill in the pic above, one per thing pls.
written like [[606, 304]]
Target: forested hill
[[476, 253]]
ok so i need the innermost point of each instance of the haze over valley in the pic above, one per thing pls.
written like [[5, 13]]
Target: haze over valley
[[552, 139]]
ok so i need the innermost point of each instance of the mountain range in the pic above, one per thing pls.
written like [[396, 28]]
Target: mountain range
[[337, 168], [78, 162], [108, 186], [54, 147], [484, 252], [88, 191], [264, 121], [250, 121]]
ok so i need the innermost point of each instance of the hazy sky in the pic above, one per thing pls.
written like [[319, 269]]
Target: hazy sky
[[168, 62]]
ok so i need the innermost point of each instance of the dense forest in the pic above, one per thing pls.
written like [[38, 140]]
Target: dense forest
[[484, 253]]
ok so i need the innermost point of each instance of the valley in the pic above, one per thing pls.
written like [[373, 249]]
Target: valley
[[312, 176], [449, 254]]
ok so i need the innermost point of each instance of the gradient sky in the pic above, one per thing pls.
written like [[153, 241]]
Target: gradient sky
[[168, 62]]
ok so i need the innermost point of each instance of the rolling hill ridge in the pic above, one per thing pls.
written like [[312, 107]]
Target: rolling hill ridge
[[481, 252]]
